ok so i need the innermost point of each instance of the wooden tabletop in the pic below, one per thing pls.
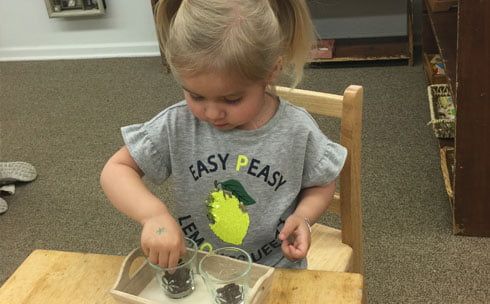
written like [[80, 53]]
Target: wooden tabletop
[[48, 276]]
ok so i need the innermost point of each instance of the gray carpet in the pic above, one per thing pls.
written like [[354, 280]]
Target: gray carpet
[[64, 118]]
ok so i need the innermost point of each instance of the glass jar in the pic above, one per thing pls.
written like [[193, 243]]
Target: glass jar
[[226, 274], [178, 282]]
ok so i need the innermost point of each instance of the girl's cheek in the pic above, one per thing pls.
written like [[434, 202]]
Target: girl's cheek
[[194, 109]]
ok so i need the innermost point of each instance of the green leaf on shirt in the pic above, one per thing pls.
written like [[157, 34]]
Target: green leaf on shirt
[[238, 190]]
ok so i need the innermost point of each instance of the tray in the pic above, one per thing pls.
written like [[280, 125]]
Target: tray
[[141, 287]]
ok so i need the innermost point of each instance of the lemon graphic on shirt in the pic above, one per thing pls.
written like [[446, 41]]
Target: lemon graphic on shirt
[[229, 219]]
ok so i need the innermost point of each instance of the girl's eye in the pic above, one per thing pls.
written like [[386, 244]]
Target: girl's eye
[[197, 98], [233, 101]]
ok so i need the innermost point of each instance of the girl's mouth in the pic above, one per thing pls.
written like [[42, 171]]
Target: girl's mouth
[[220, 125]]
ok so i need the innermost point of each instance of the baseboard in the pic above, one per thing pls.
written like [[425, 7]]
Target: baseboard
[[83, 51]]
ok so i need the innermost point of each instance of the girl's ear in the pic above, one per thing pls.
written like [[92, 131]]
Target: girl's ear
[[276, 71]]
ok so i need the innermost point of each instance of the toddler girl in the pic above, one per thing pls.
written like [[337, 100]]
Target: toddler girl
[[249, 169]]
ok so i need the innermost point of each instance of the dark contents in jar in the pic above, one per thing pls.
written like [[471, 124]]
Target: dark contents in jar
[[179, 281], [229, 294]]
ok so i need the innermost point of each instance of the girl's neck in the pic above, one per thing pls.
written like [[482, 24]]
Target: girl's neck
[[271, 104]]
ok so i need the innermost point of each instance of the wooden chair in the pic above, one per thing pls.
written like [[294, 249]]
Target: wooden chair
[[332, 249]]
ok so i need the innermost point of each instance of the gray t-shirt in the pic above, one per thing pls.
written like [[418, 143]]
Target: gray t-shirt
[[237, 187]]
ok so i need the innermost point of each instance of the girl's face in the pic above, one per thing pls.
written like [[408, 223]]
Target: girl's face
[[226, 102]]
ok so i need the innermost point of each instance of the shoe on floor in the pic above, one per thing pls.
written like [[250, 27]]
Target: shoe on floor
[[8, 189], [3, 206], [11, 172]]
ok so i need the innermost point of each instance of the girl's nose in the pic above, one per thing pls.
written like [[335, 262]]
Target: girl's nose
[[214, 113]]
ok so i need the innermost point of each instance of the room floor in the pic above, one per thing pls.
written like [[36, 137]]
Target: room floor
[[64, 118]]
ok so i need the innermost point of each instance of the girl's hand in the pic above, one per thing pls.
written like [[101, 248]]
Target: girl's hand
[[162, 240], [295, 237]]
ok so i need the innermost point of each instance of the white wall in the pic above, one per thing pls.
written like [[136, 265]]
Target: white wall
[[27, 33], [126, 30]]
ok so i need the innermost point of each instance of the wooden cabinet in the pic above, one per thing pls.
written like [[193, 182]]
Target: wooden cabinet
[[346, 22], [461, 35], [365, 30]]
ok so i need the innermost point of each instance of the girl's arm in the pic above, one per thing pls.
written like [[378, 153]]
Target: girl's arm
[[122, 183], [295, 234], [314, 201], [161, 237]]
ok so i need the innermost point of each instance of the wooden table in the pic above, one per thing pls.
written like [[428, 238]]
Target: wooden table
[[48, 276]]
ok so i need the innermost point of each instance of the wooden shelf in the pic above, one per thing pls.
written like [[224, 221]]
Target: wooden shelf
[[441, 5], [431, 78], [444, 28], [445, 142], [460, 37], [368, 49], [447, 168], [375, 48]]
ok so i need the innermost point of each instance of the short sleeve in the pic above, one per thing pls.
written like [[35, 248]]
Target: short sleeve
[[324, 160], [148, 144]]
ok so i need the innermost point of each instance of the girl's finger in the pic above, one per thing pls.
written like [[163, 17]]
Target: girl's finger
[[288, 228], [153, 256], [183, 249], [298, 253], [145, 250], [173, 258], [300, 248], [163, 259], [286, 249], [301, 240]]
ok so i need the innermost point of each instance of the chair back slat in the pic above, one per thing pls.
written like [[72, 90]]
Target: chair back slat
[[314, 102], [350, 177]]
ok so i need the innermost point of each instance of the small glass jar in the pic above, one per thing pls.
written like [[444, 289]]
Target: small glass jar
[[178, 282], [226, 274]]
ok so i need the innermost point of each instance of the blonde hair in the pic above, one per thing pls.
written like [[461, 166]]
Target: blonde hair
[[244, 37]]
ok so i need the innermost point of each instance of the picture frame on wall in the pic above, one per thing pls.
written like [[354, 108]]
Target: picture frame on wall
[[75, 8], [71, 4]]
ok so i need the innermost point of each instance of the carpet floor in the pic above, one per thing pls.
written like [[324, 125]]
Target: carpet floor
[[64, 118]]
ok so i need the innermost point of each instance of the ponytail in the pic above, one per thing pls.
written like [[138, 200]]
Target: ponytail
[[164, 13], [298, 33]]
